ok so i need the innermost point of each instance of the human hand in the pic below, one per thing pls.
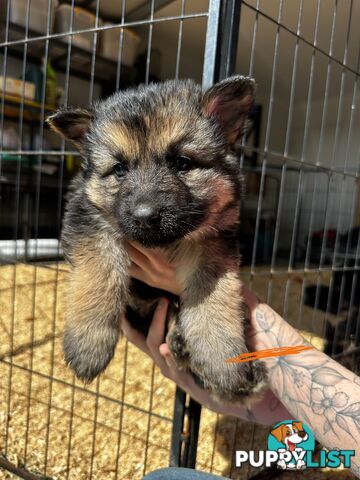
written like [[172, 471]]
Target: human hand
[[153, 345], [151, 266]]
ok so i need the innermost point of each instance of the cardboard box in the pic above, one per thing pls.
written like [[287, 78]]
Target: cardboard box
[[110, 44], [82, 20], [14, 86], [38, 14]]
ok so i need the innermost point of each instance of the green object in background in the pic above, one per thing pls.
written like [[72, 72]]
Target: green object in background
[[5, 157], [70, 163], [35, 75], [51, 84]]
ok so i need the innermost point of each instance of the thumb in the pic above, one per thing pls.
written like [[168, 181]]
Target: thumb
[[164, 350]]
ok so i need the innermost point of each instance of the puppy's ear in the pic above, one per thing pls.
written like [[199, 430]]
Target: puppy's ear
[[71, 123], [230, 103], [278, 432]]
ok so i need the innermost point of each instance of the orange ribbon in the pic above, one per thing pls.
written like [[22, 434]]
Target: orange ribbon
[[271, 352]]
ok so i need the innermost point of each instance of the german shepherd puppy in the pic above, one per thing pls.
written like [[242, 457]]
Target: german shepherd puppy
[[159, 169]]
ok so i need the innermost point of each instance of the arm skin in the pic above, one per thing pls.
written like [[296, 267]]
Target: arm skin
[[312, 387], [309, 386]]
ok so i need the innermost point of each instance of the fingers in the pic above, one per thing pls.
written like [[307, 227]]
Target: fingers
[[166, 354], [154, 346], [157, 332], [134, 336], [164, 350], [136, 272], [150, 345], [149, 258], [145, 266], [138, 257], [183, 378], [153, 268]]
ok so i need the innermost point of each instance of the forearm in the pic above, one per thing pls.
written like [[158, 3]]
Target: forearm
[[267, 411], [313, 387]]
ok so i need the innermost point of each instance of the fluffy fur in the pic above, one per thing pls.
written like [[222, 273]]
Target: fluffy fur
[[159, 169]]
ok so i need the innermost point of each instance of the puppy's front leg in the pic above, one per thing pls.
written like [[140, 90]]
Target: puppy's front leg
[[211, 322], [96, 299]]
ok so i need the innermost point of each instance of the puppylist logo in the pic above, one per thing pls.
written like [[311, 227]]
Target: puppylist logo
[[291, 443], [291, 446], [291, 440]]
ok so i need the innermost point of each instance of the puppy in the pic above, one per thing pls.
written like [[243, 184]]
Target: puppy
[[159, 170]]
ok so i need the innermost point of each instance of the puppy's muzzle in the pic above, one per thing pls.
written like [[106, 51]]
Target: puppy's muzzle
[[146, 215]]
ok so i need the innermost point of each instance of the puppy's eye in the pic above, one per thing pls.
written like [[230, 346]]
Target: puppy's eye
[[120, 170], [183, 163]]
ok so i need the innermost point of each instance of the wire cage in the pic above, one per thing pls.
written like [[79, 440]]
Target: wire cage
[[300, 232]]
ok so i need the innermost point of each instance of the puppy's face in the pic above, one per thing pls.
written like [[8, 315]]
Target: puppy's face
[[157, 161]]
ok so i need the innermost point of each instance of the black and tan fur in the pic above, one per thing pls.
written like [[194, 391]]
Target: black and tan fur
[[188, 207]]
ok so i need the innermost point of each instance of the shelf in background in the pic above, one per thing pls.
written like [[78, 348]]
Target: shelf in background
[[31, 108], [81, 63]]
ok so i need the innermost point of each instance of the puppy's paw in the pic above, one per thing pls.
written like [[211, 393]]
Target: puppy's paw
[[260, 378], [89, 352], [237, 383], [177, 346], [253, 386]]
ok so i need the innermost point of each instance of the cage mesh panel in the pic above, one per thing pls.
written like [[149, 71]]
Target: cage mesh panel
[[309, 149], [119, 427], [306, 58]]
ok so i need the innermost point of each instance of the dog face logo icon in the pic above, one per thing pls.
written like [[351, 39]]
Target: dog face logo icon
[[291, 439], [290, 434]]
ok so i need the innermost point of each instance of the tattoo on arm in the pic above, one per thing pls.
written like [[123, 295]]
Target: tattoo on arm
[[313, 387]]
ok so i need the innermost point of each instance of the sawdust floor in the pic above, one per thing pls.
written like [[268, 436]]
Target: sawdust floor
[[120, 426]]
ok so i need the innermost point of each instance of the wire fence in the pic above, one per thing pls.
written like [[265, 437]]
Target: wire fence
[[300, 215], [304, 204]]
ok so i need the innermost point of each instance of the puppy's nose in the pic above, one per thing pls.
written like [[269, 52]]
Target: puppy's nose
[[146, 214], [302, 434]]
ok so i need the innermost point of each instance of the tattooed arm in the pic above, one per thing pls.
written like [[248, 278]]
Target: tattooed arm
[[311, 386]]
